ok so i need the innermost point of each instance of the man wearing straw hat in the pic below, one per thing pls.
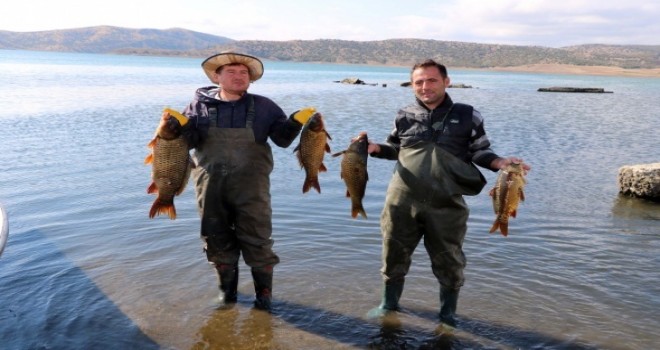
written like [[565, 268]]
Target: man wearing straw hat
[[229, 129]]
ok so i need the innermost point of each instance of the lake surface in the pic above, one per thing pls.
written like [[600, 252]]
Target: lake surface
[[85, 268]]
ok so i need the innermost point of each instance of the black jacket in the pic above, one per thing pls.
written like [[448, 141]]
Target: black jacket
[[455, 127]]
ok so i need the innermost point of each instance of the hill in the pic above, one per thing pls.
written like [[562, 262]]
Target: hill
[[108, 39], [182, 42]]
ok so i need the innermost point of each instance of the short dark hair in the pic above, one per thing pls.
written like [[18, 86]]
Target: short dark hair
[[431, 63]]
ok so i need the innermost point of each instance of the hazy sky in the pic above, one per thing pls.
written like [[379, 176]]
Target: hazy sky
[[552, 23]]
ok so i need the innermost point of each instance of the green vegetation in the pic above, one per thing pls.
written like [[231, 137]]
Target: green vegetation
[[181, 42]]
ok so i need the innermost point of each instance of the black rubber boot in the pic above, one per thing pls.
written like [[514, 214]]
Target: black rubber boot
[[390, 300], [263, 287], [228, 279], [448, 303]]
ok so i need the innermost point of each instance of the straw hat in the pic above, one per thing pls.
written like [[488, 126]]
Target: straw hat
[[211, 64]]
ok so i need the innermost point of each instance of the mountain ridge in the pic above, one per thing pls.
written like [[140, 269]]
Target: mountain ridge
[[184, 42]]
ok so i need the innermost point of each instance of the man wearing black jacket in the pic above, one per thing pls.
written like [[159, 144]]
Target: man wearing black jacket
[[436, 143]]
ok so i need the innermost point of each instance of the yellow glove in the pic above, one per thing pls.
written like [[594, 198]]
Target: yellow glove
[[303, 115], [182, 119]]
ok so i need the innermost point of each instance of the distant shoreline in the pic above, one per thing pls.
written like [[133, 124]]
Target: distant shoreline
[[573, 70]]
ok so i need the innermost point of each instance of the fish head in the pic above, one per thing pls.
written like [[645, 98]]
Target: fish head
[[315, 122], [514, 168], [359, 143], [168, 127]]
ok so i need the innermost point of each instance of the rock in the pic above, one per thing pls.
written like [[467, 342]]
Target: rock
[[642, 181], [354, 81], [455, 86], [573, 89], [460, 86]]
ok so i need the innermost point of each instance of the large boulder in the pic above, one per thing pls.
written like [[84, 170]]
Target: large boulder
[[642, 180]]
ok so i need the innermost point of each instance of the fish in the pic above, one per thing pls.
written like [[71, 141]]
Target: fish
[[507, 195], [311, 150], [354, 172], [171, 165]]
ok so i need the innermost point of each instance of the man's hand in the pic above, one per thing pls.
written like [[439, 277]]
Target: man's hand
[[303, 115], [501, 163]]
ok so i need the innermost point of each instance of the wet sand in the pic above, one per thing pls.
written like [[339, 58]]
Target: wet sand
[[578, 70]]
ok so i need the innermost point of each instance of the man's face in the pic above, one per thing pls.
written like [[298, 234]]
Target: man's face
[[234, 78], [429, 86]]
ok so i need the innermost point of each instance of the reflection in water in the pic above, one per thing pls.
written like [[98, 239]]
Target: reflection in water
[[244, 327], [236, 329], [626, 207]]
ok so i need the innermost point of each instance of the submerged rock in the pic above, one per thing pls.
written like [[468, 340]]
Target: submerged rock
[[574, 89]]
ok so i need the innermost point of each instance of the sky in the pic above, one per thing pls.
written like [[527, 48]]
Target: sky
[[549, 23]]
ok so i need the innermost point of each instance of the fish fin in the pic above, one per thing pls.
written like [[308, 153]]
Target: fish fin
[[492, 192], [495, 226], [149, 159], [504, 229], [327, 147], [522, 195], [161, 206], [339, 153], [309, 183], [348, 194], [300, 161], [152, 188], [328, 135], [513, 214], [152, 143], [322, 168], [360, 210], [297, 148]]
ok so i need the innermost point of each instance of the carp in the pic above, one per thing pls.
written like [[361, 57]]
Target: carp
[[354, 172], [171, 165], [311, 149], [507, 194]]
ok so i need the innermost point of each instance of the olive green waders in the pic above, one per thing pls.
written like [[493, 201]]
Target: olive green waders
[[425, 200], [232, 183]]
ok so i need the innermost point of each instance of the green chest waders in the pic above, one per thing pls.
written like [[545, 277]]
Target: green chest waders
[[232, 183], [425, 200]]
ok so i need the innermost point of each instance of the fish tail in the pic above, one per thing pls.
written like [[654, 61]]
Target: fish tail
[[358, 209], [311, 182], [504, 228], [495, 226], [162, 206]]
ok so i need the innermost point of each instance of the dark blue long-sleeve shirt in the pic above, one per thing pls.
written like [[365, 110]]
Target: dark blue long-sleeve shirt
[[270, 120]]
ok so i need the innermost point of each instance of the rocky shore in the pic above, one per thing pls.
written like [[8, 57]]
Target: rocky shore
[[575, 70]]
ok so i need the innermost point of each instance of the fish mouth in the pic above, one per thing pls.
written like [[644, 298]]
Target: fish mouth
[[362, 137]]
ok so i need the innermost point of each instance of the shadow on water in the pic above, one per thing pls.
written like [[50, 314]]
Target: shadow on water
[[49, 303], [232, 329]]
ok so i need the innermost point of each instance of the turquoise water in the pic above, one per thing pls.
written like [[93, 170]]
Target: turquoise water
[[84, 267]]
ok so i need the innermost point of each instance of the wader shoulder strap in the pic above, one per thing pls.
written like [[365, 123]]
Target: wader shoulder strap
[[213, 116], [250, 113]]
